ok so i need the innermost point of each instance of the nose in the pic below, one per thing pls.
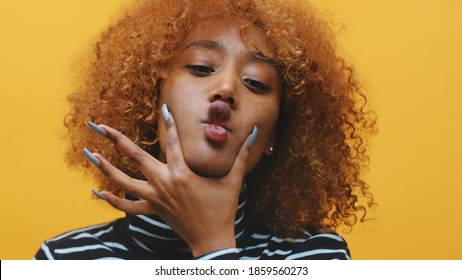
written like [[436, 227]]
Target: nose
[[224, 88]]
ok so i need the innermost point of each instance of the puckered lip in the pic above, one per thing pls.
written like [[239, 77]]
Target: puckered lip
[[207, 122], [218, 114]]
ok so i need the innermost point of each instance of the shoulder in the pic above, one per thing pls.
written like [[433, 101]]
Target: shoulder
[[94, 242], [321, 246], [312, 246]]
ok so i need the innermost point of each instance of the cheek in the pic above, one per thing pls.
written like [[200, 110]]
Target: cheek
[[267, 118], [180, 91]]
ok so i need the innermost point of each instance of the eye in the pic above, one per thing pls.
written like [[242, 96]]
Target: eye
[[200, 70], [256, 85]]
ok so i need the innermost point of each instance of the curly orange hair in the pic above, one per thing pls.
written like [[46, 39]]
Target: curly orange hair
[[313, 179]]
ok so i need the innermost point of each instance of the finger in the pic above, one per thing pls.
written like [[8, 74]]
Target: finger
[[139, 207], [97, 129], [138, 188], [240, 163], [147, 164], [174, 152]]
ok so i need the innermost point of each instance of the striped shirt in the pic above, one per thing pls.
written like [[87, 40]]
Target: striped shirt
[[148, 237]]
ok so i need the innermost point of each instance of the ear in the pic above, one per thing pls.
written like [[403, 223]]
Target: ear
[[271, 146]]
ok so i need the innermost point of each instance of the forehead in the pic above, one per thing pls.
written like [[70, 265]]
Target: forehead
[[231, 35]]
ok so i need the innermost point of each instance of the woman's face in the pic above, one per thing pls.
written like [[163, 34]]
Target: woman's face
[[217, 89]]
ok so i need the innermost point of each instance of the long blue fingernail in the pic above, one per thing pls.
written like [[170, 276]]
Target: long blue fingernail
[[97, 129], [91, 157], [165, 112], [99, 195], [252, 137]]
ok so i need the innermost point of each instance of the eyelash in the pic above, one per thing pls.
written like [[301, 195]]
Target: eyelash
[[203, 70], [257, 85], [200, 70]]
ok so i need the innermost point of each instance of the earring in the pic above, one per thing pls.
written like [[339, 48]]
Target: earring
[[271, 149]]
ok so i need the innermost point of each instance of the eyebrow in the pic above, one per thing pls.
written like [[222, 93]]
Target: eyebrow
[[259, 56], [214, 45], [208, 44]]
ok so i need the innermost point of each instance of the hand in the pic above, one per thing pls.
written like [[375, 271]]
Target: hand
[[201, 210]]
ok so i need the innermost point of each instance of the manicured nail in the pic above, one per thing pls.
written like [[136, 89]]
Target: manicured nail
[[252, 136], [97, 129], [99, 195], [165, 112], [91, 157]]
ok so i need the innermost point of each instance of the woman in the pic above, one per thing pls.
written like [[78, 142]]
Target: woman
[[240, 135]]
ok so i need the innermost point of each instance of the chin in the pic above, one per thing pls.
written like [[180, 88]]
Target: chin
[[209, 165]]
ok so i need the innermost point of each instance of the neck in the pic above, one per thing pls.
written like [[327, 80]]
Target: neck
[[151, 233]]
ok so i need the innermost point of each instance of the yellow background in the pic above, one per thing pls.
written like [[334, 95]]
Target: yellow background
[[408, 54]]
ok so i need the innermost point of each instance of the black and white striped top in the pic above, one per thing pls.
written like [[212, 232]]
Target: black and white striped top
[[148, 237]]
